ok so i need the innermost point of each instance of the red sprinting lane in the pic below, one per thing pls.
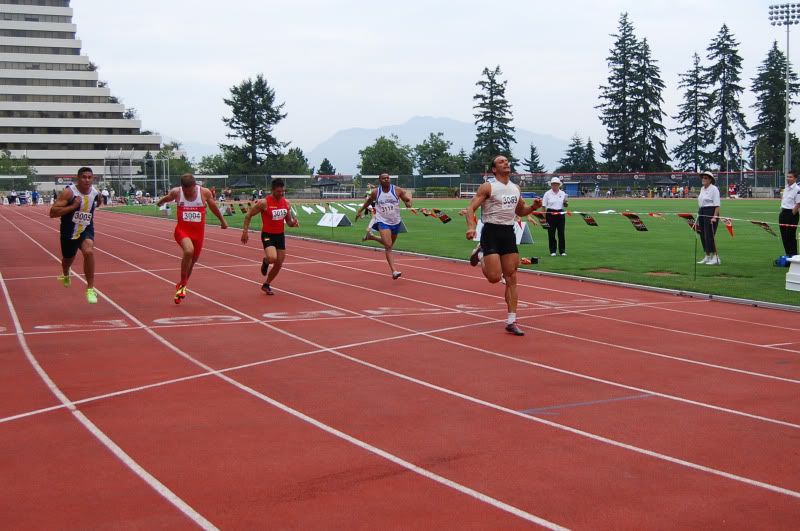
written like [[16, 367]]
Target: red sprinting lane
[[420, 422]]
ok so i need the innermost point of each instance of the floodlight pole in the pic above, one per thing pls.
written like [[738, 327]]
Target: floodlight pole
[[785, 15]]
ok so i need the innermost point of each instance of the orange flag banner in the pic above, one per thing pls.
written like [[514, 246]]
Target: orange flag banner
[[764, 225], [588, 219], [728, 225], [542, 220]]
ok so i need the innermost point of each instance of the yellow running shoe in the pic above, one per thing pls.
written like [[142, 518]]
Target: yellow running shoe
[[64, 279], [91, 296], [180, 293]]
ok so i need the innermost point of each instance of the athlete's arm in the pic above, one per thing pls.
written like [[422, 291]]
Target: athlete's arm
[[483, 193], [523, 210], [258, 207], [405, 196], [209, 197], [291, 220], [65, 204], [171, 196], [370, 199]]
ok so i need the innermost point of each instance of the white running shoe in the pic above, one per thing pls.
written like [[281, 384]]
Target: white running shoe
[[714, 260], [552, 254], [704, 260]]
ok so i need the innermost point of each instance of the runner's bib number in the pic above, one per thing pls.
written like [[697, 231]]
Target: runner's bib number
[[192, 216], [509, 202], [279, 213], [82, 218], [386, 208]]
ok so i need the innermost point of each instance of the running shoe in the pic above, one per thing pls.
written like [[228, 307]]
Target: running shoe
[[396, 275], [91, 296], [180, 293], [475, 257], [264, 267], [65, 279], [512, 328], [266, 289]]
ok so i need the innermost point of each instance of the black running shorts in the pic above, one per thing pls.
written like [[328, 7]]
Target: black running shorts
[[498, 239]]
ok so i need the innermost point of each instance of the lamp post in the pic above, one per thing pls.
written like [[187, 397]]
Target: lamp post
[[785, 15]]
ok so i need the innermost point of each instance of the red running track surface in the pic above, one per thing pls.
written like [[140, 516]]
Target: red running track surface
[[349, 400]]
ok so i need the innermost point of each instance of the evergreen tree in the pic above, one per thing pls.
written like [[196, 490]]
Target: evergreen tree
[[726, 116], [590, 164], [574, 158], [293, 162], [326, 168], [692, 153], [617, 110], [463, 161], [433, 157], [649, 148], [254, 116], [493, 120], [532, 163], [386, 154], [769, 87]]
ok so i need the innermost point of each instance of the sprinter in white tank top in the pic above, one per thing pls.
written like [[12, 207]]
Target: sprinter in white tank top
[[501, 203], [386, 201]]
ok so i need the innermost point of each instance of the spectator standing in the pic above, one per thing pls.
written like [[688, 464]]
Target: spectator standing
[[708, 218], [789, 217], [554, 201]]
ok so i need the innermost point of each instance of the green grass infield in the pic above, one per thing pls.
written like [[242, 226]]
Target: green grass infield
[[664, 256]]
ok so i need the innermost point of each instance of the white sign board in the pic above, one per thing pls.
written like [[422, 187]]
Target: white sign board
[[334, 220], [521, 231]]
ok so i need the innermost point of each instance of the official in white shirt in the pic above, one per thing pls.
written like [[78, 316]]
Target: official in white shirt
[[788, 218], [555, 201], [708, 218]]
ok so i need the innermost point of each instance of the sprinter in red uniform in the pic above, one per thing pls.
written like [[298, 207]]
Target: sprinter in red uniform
[[192, 200], [275, 210]]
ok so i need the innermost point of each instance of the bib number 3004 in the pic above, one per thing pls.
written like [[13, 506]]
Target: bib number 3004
[[82, 218], [193, 217]]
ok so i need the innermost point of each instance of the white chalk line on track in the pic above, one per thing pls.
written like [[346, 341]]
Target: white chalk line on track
[[106, 441], [548, 331], [497, 407], [302, 416]]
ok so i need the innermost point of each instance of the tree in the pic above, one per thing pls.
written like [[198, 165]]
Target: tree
[[726, 116], [293, 162], [590, 164], [650, 145], [493, 120], [617, 112], [769, 87], [433, 156], [532, 163], [386, 154], [254, 116], [696, 129], [326, 168], [16, 166], [232, 161], [574, 158]]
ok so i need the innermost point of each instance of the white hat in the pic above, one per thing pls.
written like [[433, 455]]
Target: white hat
[[555, 180]]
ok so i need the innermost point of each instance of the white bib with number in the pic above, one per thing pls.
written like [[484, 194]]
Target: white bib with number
[[82, 218], [279, 214], [192, 216]]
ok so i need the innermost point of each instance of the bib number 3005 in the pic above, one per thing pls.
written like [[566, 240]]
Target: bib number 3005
[[192, 216], [82, 218]]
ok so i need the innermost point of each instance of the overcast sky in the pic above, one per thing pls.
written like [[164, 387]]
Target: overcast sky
[[358, 63]]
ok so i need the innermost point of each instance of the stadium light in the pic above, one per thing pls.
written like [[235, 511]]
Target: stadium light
[[785, 15]]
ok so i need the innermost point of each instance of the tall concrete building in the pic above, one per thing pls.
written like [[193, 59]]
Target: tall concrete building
[[53, 108]]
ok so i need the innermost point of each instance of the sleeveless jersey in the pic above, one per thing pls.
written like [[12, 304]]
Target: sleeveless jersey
[[273, 217], [191, 214], [387, 206], [76, 223], [499, 207]]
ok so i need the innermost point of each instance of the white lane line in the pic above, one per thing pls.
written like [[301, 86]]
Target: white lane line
[[543, 330], [118, 452], [497, 407], [475, 494]]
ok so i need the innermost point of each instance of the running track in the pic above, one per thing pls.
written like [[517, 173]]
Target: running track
[[349, 400]]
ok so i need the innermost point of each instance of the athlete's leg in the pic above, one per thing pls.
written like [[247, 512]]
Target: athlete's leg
[[87, 249], [66, 263], [187, 259], [491, 267], [276, 262], [509, 263]]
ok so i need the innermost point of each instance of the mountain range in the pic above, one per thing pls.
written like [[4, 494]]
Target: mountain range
[[342, 148]]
